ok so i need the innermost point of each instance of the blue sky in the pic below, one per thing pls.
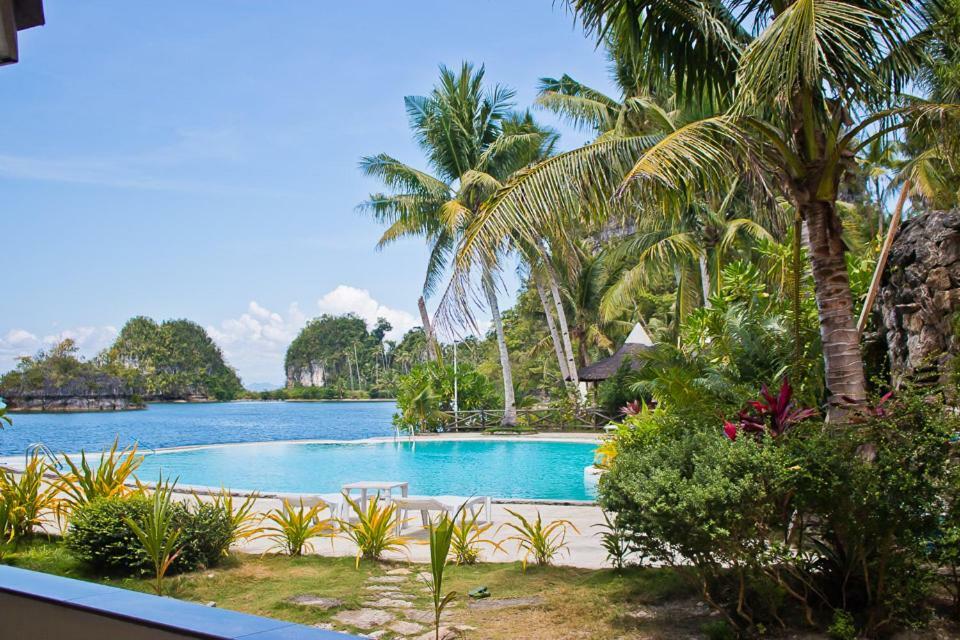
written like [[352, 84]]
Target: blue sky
[[199, 159]]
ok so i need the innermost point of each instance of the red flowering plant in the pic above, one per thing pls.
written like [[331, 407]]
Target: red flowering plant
[[632, 408], [771, 414]]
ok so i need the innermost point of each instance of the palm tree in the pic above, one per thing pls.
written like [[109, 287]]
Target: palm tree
[[879, 161], [808, 84], [472, 142]]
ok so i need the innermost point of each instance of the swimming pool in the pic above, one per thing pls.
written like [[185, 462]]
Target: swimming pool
[[528, 469]]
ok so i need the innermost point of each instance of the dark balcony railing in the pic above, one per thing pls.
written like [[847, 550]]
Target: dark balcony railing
[[537, 419]]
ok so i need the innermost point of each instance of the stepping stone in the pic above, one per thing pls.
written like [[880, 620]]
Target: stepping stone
[[315, 602], [388, 591], [364, 618], [376, 635], [426, 617], [505, 603], [398, 572], [405, 628], [446, 633], [387, 579], [389, 603]]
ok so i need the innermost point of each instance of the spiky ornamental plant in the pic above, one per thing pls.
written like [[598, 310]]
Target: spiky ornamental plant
[[158, 535]]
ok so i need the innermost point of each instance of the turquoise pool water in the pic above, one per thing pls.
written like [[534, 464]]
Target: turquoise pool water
[[503, 469]]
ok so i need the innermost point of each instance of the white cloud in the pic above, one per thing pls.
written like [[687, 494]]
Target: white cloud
[[345, 299], [20, 342]]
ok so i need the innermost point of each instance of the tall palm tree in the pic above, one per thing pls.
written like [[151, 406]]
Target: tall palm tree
[[472, 142], [809, 84]]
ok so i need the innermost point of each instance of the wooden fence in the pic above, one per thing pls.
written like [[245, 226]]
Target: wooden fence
[[536, 419]]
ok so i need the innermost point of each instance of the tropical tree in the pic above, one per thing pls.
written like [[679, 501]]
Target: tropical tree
[[473, 142], [804, 85]]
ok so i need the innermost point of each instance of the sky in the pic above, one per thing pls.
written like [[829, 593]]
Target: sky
[[199, 159]]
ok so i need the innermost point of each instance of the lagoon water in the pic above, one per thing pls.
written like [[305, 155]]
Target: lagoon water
[[503, 468], [175, 425]]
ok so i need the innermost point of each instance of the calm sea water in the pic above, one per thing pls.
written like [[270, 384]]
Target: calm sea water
[[174, 425]]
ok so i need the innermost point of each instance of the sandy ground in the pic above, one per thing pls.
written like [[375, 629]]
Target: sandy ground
[[583, 548]]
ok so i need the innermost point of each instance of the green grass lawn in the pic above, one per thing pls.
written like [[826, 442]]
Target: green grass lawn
[[572, 603]]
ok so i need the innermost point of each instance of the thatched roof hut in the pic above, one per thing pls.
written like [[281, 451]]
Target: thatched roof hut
[[637, 342]]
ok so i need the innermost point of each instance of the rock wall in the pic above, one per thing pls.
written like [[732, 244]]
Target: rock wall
[[919, 298], [72, 404], [310, 375]]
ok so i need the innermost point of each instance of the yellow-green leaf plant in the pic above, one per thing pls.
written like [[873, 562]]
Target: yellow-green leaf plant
[[291, 528], [467, 538], [375, 530], [27, 496], [244, 521], [158, 535], [540, 542], [80, 483]]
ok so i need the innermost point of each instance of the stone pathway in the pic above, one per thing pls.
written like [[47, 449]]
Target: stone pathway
[[388, 610]]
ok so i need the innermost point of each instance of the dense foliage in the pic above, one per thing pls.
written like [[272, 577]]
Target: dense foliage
[[174, 359], [807, 520], [427, 392], [99, 535]]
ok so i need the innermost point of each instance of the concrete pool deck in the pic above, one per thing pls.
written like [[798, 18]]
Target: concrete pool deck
[[583, 544]]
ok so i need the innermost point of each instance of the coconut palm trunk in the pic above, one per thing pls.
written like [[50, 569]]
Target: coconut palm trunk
[[704, 279], [433, 352], [564, 326], [509, 400], [843, 363], [551, 325]]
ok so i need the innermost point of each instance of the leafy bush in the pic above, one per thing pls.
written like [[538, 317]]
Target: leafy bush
[[618, 390], [843, 626], [428, 390], [827, 516], [99, 535]]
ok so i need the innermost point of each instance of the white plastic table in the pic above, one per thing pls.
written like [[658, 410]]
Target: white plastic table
[[379, 487]]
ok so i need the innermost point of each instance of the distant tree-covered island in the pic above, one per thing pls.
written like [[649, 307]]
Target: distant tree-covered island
[[174, 360], [339, 357]]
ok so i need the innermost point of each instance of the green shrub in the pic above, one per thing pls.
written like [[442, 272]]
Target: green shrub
[[827, 516], [99, 535], [718, 630], [616, 391], [842, 627]]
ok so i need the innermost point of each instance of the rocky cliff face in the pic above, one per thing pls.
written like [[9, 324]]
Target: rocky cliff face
[[920, 295], [90, 392], [308, 375], [72, 404]]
